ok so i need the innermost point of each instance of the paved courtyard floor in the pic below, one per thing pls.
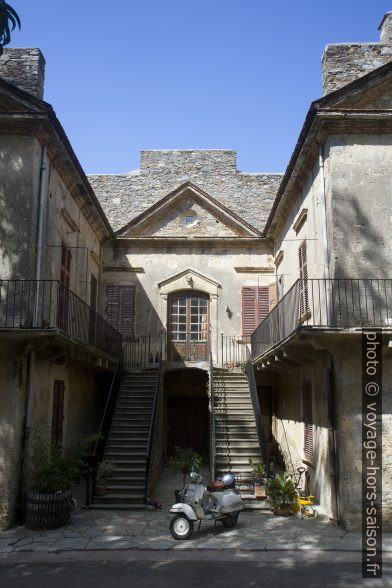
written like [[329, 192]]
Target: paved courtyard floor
[[119, 530]]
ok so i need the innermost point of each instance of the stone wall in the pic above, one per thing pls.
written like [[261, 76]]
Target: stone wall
[[124, 196], [343, 63], [25, 68]]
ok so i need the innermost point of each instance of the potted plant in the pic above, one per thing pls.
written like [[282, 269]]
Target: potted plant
[[281, 494], [183, 462], [52, 471], [105, 470], [258, 481]]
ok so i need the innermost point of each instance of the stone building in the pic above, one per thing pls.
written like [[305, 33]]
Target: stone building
[[240, 297]]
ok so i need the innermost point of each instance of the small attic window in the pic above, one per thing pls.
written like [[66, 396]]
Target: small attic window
[[189, 218]]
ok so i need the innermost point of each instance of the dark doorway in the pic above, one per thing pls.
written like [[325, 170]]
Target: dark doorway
[[187, 411]]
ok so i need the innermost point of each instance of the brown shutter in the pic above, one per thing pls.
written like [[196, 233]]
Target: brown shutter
[[255, 307], [120, 308], [307, 409], [58, 411], [303, 285]]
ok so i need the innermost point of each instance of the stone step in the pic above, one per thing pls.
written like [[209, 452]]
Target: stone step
[[121, 448], [115, 506], [122, 489], [129, 480], [121, 498]]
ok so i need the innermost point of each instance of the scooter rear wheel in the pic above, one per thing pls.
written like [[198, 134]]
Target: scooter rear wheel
[[181, 527], [231, 520]]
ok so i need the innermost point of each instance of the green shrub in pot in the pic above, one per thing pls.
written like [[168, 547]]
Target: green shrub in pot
[[281, 493]]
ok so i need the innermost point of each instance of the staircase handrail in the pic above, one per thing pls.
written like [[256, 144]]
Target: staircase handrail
[[153, 418], [250, 375], [212, 414], [99, 446]]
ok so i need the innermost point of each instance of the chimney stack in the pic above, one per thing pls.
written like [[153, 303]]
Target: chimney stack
[[25, 68], [385, 29], [343, 63]]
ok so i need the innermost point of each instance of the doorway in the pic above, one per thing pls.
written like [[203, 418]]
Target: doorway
[[187, 411], [188, 326]]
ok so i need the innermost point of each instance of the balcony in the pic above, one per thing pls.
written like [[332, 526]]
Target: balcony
[[47, 305], [334, 305]]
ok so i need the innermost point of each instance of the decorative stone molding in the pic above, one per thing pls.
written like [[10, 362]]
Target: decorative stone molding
[[303, 215]]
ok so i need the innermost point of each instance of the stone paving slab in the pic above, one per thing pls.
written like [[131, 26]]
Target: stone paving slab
[[91, 530]]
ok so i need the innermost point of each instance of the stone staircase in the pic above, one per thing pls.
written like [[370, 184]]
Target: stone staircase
[[236, 435], [126, 445]]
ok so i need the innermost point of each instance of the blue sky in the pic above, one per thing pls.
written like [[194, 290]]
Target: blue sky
[[126, 75]]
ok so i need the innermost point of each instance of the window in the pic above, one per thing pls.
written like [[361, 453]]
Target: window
[[307, 414], [255, 307], [120, 308], [189, 218]]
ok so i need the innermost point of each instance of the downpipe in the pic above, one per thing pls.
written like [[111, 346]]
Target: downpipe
[[37, 276], [324, 233]]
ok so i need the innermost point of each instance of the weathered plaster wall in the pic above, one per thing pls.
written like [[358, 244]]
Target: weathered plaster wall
[[124, 196], [82, 239], [289, 240], [288, 428], [162, 261], [19, 173], [12, 404], [343, 63], [361, 209], [347, 368]]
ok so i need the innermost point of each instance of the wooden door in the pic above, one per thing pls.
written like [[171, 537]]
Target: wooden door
[[188, 322]]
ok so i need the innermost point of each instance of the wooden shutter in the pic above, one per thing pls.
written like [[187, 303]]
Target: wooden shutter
[[255, 307], [65, 268], [307, 410], [303, 274], [120, 308], [58, 411], [65, 273]]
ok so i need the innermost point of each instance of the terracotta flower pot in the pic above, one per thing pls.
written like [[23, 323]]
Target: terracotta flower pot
[[260, 492], [100, 491]]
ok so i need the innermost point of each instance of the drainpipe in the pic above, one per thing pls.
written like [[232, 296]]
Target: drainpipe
[[324, 233], [37, 276]]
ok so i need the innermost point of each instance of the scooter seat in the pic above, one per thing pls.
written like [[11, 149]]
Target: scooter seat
[[215, 486]]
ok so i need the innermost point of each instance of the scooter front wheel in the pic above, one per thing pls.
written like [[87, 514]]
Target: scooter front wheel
[[181, 527]]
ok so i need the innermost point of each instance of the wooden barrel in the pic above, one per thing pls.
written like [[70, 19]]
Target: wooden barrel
[[48, 511]]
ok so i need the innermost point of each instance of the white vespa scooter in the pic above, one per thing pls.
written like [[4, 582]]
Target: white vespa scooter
[[218, 502]]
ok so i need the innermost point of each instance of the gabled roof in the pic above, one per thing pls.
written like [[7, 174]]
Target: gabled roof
[[334, 101], [158, 209]]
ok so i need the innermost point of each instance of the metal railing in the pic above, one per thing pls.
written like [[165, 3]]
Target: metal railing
[[48, 304], [104, 428], [249, 372], [335, 303], [153, 420], [141, 352], [233, 352], [212, 416]]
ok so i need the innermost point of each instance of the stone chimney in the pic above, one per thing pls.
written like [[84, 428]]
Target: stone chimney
[[25, 68], [385, 29], [343, 63]]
